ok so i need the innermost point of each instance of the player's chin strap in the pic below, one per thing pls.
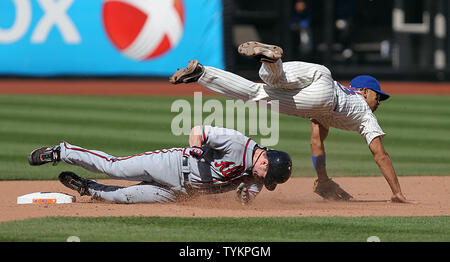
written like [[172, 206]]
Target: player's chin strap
[[249, 170], [263, 148]]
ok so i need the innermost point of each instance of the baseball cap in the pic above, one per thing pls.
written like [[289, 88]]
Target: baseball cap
[[280, 168], [369, 82]]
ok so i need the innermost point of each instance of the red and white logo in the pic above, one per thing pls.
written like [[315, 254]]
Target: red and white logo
[[144, 29]]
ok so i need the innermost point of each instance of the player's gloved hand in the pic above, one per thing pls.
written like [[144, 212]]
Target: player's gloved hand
[[196, 152], [330, 190], [242, 194]]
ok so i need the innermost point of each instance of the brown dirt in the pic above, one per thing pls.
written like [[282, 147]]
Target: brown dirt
[[295, 198]]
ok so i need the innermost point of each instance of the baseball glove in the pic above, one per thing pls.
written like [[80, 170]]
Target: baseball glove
[[330, 190]]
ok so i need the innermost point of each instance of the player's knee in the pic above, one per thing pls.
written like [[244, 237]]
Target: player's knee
[[325, 72], [122, 198]]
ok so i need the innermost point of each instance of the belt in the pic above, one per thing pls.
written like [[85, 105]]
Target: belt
[[186, 170]]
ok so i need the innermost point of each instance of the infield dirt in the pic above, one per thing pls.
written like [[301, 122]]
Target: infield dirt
[[295, 198]]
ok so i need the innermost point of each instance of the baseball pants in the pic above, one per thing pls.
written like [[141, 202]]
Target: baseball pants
[[302, 89], [161, 173]]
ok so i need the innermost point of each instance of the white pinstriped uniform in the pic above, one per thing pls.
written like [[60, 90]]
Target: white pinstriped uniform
[[303, 89]]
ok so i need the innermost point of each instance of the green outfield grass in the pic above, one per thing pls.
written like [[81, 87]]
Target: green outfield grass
[[418, 129], [162, 229]]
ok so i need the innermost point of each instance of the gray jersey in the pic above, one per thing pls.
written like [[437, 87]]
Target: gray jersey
[[227, 162]]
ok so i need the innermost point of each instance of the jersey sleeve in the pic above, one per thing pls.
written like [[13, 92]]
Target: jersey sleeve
[[220, 138], [370, 129]]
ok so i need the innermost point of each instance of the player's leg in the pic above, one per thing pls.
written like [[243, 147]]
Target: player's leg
[[285, 80], [219, 81], [141, 193], [231, 85], [289, 75], [163, 166], [293, 75], [100, 162]]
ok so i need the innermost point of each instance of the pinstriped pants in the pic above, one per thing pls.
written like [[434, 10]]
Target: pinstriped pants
[[302, 89]]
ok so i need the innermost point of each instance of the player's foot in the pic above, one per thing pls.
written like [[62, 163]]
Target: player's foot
[[191, 73], [263, 52], [74, 182], [44, 155]]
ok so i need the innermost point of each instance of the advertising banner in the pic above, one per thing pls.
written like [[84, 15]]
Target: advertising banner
[[108, 37]]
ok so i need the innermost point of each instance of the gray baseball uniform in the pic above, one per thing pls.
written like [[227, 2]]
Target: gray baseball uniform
[[169, 174], [303, 89]]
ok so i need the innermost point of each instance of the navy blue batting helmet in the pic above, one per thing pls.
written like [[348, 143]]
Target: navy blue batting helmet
[[280, 168]]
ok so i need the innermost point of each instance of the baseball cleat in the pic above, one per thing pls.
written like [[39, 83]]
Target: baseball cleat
[[263, 52], [191, 73], [74, 182], [44, 155]]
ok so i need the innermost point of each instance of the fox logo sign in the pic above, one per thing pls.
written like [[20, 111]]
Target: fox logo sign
[[143, 29], [55, 15]]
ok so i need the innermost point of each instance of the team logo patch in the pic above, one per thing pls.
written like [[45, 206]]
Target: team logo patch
[[144, 29]]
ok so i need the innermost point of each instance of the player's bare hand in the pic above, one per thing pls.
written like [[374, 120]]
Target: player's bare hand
[[400, 198], [242, 194]]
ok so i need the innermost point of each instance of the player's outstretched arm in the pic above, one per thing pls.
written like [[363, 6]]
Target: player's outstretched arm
[[318, 135], [323, 186], [384, 162]]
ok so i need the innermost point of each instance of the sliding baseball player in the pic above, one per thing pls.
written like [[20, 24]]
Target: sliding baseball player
[[217, 160], [307, 90]]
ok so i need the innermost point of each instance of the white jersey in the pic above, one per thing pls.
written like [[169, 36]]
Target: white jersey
[[303, 89], [354, 114]]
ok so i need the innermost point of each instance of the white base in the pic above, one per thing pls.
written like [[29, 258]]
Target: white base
[[46, 198]]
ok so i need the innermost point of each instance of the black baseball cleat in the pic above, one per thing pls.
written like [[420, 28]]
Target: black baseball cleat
[[263, 52], [74, 182], [45, 155], [191, 73]]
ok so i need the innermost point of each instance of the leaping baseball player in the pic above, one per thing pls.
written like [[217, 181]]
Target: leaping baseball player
[[308, 91], [217, 160]]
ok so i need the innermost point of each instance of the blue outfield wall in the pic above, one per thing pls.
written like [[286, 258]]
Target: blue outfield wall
[[108, 38]]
